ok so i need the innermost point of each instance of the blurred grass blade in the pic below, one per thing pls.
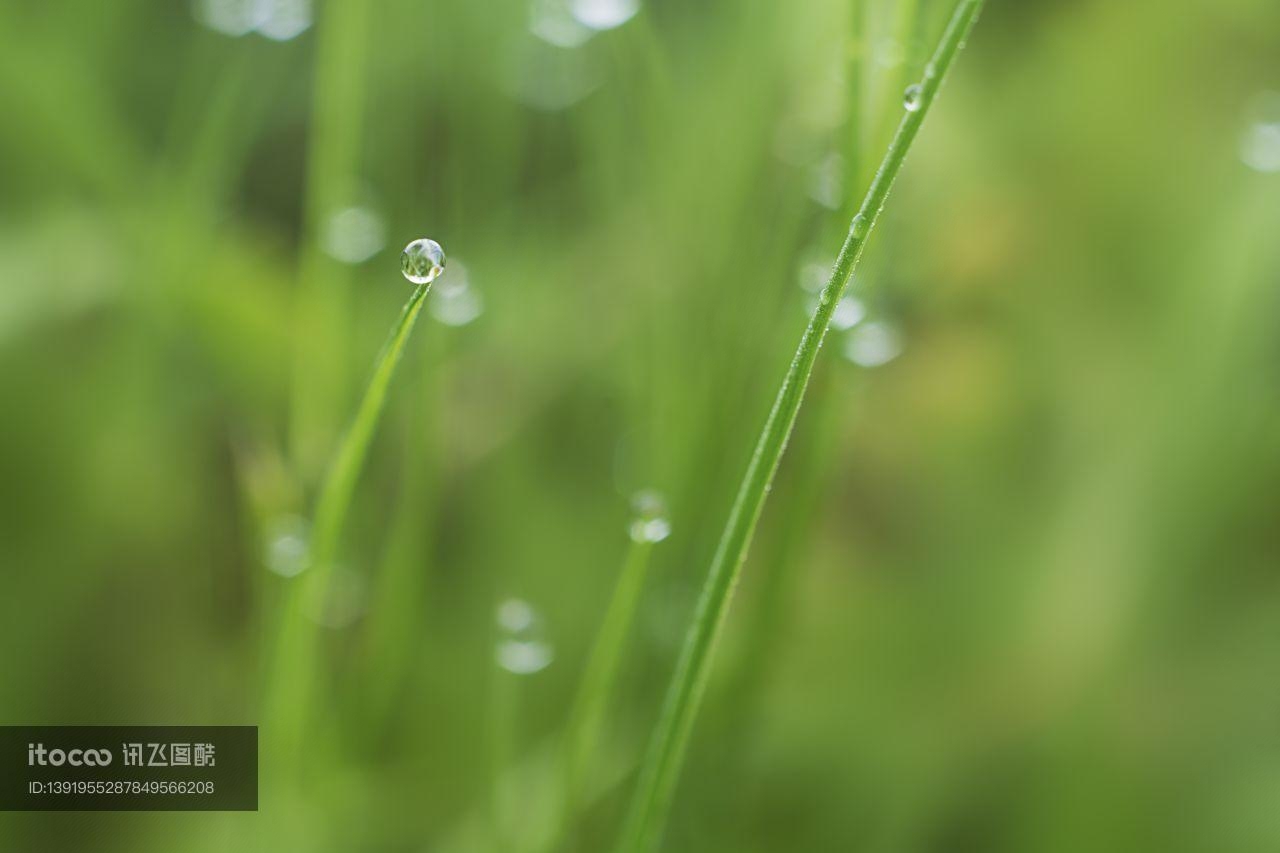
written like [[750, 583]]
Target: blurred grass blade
[[582, 733], [291, 676], [334, 143], [335, 496], [660, 770]]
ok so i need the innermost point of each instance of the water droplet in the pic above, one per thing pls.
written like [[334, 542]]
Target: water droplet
[[551, 21], [520, 648], [649, 522], [1260, 142], [523, 657], [1260, 147], [229, 17], [604, 14], [848, 313], [515, 615], [287, 542], [422, 260], [912, 97], [455, 302], [354, 234], [860, 226], [814, 275], [873, 344], [283, 20], [279, 20]]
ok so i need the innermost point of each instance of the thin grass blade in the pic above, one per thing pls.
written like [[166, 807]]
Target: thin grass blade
[[660, 769]]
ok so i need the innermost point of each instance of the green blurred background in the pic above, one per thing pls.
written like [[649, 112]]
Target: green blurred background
[[1016, 588]]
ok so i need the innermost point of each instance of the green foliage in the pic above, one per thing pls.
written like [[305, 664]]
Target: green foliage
[[658, 775], [1014, 590]]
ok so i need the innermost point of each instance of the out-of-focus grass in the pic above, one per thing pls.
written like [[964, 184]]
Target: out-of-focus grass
[[659, 772], [1035, 610]]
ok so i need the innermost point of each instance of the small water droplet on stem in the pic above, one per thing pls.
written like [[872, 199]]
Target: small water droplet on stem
[[521, 648], [860, 226], [912, 98], [650, 522]]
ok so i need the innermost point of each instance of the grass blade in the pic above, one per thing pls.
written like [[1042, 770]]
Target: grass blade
[[335, 495], [661, 767], [334, 143], [292, 671], [582, 733]]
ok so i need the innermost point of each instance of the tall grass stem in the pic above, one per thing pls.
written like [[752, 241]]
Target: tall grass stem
[[660, 768], [586, 719], [334, 143], [292, 672]]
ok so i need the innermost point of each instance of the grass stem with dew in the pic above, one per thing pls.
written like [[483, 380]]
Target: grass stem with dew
[[660, 769]]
